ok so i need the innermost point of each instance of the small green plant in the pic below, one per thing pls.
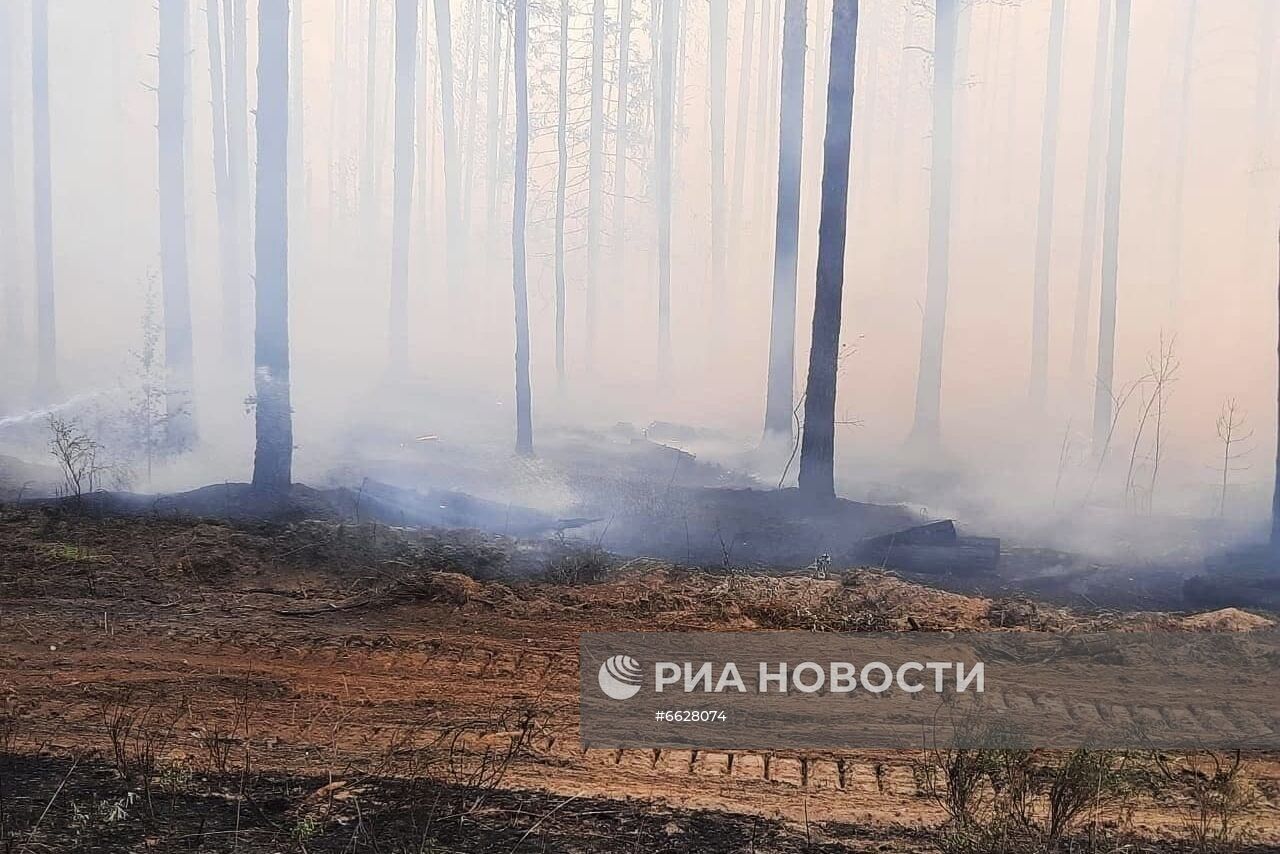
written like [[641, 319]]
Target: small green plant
[[304, 830]]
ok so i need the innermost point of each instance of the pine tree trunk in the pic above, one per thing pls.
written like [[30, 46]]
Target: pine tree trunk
[[491, 162], [779, 404], [663, 139], [817, 448], [174, 274], [1262, 199], [929, 382], [273, 454], [471, 109], [371, 180], [221, 174], [1044, 215], [1275, 498], [299, 178], [719, 45], [337, 76], [621, 133], [453, 237], [46, 336], [562, 179], [406, 65], [1102, 399], [524, 407], [744, 110], [12, 351], [1180, 157], [595, 172], [234, 299], [765, 80], [1092, 190], [900, 123]]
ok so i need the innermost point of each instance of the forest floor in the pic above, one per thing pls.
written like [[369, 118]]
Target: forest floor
[[176, 684]]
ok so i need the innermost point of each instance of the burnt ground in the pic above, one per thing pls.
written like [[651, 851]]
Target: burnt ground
[[175, 684]]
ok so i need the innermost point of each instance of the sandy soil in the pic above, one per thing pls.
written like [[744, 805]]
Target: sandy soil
[[337, 655]]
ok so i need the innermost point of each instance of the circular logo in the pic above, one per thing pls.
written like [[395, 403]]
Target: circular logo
[[619, 677]]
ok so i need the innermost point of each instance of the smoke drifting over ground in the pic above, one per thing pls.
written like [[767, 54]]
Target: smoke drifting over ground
[[1196, 286]]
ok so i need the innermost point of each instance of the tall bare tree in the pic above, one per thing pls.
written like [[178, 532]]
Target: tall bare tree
[[1089, 231], [406, 69], [817, 447], [1275, 498], [235, 298], [744, 109], [664, 143], [46, 335], [562, 180], [453, 246], [1044, 214], [371, 183], [1102, 395], [929, 381], [13, 332], [717, 71], [524, 395], [273, 453], [622, 133], [779, 398], [174, 274], [595, 171]]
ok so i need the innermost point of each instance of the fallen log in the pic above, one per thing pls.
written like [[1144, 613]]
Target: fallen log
[[931, 549]]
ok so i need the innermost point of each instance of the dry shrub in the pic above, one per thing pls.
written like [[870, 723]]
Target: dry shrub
[[1216, 796], [574, 564], [1006, 801]]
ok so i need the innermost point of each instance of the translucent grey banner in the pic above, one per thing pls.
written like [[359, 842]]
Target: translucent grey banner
[[771, 690]]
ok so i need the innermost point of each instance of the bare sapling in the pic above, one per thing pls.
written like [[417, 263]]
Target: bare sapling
[[80, 457], [1232, 432]]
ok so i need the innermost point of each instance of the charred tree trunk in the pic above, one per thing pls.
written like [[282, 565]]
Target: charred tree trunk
[[620, 141], [664, 129], [520, 172], [817, 448], [1092, 190], [1044, 215], [595, 171], [174, 274], [562, 179], [453, 237], [779, 402], [46, 336], [929, 382], [719, 44], [406, 63], [1102, 399], [273, 454]]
